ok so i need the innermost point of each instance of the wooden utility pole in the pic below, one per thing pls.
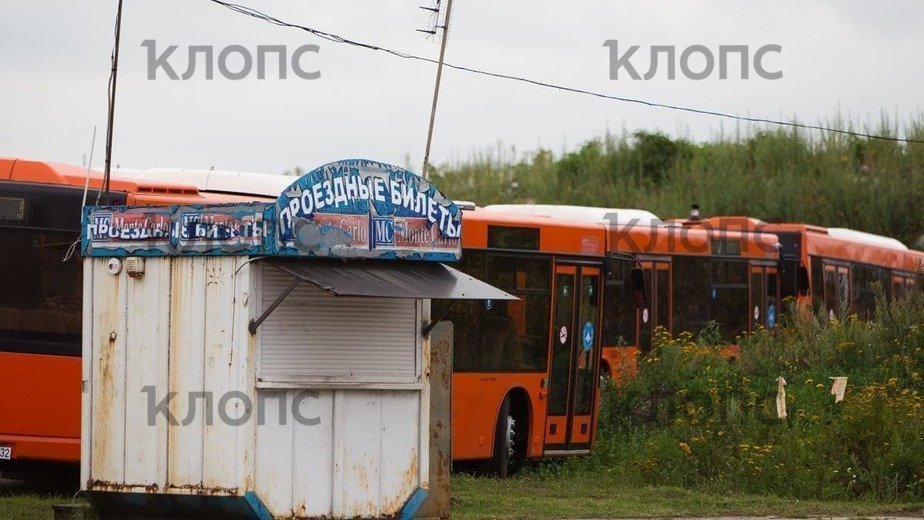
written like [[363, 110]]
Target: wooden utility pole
[[436, 90], [113, 74]]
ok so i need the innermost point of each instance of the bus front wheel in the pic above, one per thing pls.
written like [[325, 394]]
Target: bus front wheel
[[508, 441]]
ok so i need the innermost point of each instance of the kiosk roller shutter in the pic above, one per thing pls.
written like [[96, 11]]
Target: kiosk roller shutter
[[315, 336]]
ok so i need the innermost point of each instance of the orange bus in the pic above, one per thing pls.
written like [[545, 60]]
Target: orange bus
[[525, 371], [837, 271], [693, 277], [590, 280], [40, 300]]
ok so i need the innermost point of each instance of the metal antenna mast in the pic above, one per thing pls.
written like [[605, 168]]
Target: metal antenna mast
[[436, 89]]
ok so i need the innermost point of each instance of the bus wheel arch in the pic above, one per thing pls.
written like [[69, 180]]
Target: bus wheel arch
[[512, 432]]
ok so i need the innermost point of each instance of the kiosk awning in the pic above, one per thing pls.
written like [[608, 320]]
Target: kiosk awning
[[392, 279], [381, 279]]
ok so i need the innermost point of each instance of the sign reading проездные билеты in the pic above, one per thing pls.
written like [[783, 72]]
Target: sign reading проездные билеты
[[354, 208], [192, 229]]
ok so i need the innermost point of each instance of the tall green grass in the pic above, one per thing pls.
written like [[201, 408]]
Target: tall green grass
[[690, 418], [783, 175]]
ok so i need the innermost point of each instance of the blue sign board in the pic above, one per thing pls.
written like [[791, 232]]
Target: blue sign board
[[366, 208], [194, 229], [353, 208], [587, 336]]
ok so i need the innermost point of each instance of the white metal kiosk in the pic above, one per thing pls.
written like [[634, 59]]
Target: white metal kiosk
[[267, 360]]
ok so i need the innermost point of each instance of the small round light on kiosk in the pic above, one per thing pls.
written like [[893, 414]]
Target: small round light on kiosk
[[115, 266]]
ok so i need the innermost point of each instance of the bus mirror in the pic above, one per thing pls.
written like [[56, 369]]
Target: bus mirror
[[637, 280], [802, 281]]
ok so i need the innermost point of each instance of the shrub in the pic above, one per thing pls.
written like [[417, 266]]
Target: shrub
[[691, 418]]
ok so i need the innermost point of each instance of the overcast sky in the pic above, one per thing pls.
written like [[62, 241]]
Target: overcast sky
[[849, 57]]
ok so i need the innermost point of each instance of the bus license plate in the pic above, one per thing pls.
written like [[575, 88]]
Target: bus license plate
[[6, 453]]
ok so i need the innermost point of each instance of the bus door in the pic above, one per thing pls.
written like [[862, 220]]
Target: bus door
[[765, 300], [574, 360], [657, 311], [837, 290]]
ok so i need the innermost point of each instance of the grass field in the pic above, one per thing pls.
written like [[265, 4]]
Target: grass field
[[593, 496], [29, 506], [33, 500], [587, 496]]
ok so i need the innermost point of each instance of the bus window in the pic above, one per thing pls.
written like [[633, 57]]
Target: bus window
[[868, 281], [586, 352], [773, 299], [466, 341], [729, 295], [40, 303], [502, 336], [843, 290], [647, 318], [902, 285], [533, 274], [529, 348], [831, 303], [504, 237], [501, 271], [764, 296], [657, 312], [837, 291], [789, 279], [691, 294], [793, 281], [618, 308], [663, 306], [466, 351], [561, 346], [818, 286]]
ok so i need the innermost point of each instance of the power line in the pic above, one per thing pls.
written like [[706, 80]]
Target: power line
[[249, 11]]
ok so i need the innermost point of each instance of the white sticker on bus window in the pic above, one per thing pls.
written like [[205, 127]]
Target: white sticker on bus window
[[563, 334], [6, 453]]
